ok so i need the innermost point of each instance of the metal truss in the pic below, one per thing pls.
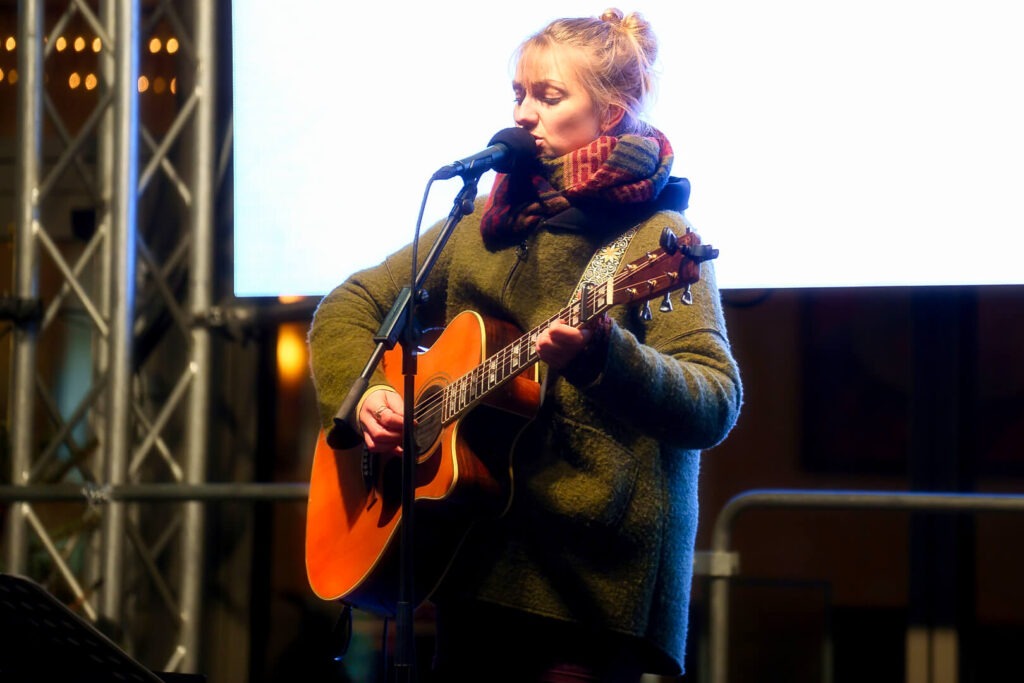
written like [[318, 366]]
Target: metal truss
[[125, 306]]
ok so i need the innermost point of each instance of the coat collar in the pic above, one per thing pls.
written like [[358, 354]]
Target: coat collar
[[601, 217]]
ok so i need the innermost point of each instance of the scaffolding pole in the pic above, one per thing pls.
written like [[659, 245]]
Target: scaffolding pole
[[201, 295], [115, 549], [26, 273]]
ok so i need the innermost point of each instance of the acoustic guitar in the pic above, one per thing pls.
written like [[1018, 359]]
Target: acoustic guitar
[[476, 388]]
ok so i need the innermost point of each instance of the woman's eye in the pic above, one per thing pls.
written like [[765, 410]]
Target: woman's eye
[[550, 101]]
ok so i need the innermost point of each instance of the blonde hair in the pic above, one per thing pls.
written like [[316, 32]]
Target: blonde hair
[[617, 67]]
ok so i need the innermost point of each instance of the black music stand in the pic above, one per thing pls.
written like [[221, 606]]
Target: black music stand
[[42, 640]]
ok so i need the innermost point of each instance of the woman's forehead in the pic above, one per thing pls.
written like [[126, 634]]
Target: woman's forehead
[[546, 63]]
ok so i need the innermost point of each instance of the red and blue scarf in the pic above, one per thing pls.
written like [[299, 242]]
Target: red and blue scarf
[[629, 169]]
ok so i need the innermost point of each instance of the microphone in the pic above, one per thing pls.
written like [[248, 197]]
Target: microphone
[[508, 150]]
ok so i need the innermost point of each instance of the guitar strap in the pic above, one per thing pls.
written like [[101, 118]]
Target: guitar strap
[[604, 263]]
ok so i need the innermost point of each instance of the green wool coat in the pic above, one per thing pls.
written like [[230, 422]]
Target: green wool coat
[[603, 514]]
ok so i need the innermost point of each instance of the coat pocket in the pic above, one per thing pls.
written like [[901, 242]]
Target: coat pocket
[[584, 480]]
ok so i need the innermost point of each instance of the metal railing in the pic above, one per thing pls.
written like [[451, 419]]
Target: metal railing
[[96, 494], [721, 563]]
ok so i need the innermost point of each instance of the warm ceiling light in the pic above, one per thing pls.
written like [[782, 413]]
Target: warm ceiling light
[[174, 86], [12, 76], [143, 84], [11, 43], [62, 44], [79, 44], [74, 80], [172, 45], [97, 44], [90, 82], [154, 45], [159, 85]]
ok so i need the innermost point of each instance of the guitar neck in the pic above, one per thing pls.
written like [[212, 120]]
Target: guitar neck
[[675, 265], [497, 369]]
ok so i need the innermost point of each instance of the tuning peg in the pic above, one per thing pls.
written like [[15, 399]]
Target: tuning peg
[[645, 312], [686, 297], [666, 303], [669, 242]]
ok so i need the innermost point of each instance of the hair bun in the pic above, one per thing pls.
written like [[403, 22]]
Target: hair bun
[[634, 24], [612, 16]]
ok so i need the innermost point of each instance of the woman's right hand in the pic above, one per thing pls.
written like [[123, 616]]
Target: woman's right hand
[[382, 419]]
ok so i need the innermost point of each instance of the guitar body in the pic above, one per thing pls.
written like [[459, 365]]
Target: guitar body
[[463, 474]]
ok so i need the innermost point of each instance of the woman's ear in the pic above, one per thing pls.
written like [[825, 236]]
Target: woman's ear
[[612, 117]]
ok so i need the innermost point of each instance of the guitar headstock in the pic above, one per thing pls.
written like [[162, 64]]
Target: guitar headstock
[[674, 266]]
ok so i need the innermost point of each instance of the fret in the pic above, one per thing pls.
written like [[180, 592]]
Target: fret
[[527, 351], [571, 316], [449, 411], [492, 374]]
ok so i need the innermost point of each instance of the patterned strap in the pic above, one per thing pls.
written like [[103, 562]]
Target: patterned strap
[[604, 262]]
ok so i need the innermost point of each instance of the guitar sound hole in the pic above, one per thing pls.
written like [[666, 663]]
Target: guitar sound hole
[[428, 426]]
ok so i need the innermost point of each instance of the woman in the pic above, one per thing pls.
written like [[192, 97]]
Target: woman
[[587, 574]]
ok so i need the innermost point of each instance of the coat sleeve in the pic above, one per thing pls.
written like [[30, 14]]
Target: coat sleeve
[[341, 337], [673, 377]]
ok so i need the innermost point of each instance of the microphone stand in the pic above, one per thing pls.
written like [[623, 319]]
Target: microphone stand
[[400, 321]]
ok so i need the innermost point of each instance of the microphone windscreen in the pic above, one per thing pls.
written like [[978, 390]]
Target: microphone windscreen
[[522, 149]]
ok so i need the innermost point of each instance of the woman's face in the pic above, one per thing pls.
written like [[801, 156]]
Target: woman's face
[[552, 104]]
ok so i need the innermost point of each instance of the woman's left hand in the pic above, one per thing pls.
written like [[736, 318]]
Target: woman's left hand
[[560, 343]]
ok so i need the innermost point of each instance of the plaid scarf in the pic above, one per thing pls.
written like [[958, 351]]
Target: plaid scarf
[[616, 170]]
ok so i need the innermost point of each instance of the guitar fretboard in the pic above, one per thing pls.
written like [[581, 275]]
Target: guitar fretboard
[[464, 393]]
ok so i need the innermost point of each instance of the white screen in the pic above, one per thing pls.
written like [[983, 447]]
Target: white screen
[[828, 144]]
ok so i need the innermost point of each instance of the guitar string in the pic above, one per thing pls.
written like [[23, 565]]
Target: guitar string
[[429, 407]]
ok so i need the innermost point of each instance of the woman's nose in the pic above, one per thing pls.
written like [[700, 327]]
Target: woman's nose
[[525, 115]]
